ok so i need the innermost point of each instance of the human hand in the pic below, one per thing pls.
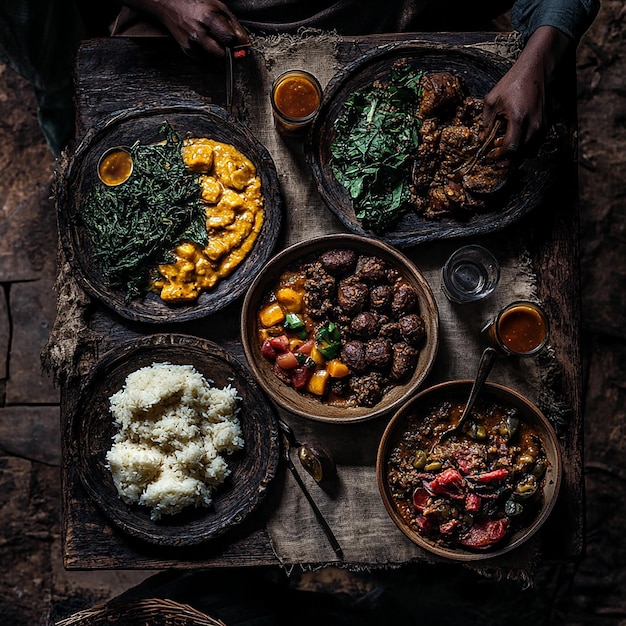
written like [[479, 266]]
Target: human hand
[[520, 96], [201, 27]]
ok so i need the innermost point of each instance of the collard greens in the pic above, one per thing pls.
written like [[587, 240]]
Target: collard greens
[[376, 136]]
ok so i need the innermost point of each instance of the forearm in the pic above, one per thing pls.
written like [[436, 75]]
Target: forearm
[[544, 51]]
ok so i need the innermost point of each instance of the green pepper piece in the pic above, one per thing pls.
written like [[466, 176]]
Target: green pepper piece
[[328, 340], [294, 323]]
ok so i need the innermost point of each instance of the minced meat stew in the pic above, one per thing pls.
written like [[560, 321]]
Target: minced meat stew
[[474, 489]]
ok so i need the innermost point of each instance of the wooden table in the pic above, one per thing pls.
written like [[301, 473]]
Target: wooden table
[[113, 74]]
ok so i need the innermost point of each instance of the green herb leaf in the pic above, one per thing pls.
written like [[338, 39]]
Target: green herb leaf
[[136, 226]]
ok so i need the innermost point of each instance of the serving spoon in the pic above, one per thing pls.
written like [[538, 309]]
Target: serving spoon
[[485, 366]]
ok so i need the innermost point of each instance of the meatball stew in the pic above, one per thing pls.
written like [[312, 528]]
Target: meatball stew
[[342, 326]]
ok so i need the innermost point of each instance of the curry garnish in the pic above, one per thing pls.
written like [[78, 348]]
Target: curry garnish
[[136, 226], [376, 136]]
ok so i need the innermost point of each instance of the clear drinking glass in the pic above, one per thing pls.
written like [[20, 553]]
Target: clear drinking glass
[[470, 274]]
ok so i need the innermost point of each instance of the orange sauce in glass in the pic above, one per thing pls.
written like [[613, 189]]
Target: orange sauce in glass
[[522, 329], [296, 97], [115, 167]]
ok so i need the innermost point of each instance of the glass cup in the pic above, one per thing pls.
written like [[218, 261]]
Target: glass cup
[[296, 96], [520, 328], [470, 274]]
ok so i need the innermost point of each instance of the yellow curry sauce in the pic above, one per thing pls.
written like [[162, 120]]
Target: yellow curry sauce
[[231, 191]]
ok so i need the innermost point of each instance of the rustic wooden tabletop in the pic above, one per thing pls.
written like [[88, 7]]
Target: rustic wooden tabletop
[[117, 73]]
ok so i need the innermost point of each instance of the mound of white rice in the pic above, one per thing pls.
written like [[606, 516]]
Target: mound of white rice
[[173, 427]]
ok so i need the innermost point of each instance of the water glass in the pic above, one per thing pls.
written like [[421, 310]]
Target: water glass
[[470, 274]]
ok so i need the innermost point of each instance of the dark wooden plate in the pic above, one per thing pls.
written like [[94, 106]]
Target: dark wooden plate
[[459, 389], [480, 71], [143, 124], [307, 405], [253, 468]]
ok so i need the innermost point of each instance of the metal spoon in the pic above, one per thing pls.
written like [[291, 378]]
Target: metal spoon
[[485, 365], [290, 441]]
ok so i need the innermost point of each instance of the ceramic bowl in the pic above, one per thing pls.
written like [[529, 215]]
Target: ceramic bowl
[[543, 502], [318, 407]]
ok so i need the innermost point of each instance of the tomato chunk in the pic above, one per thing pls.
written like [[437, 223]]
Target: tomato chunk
[[268, 351], [300, 377], [472, 502], [490, 477], [287, 360], [449, 482], [486, 534], [280, 343], [420, 498]]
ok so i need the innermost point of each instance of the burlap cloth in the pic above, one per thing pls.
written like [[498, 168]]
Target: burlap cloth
[[352, 506]]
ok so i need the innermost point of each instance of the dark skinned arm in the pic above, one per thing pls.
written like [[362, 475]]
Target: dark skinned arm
[[520, 96], [200, 27]]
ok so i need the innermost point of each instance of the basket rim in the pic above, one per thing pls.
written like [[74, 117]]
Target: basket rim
[[141, 609]]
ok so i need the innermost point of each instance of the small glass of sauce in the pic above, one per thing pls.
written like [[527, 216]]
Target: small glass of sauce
[[520, 329], [115, 166], [296, 96]]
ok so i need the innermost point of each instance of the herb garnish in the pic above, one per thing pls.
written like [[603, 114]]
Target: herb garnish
[[376, 135], [136, 226]]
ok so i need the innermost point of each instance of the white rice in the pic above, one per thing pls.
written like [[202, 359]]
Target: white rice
[[173, 427]]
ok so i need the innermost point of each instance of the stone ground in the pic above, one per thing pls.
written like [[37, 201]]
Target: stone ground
[[34, 587]]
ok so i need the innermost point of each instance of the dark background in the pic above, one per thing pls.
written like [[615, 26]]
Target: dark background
[[34, 587]]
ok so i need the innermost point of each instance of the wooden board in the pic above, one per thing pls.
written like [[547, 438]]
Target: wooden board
[[114, 74]]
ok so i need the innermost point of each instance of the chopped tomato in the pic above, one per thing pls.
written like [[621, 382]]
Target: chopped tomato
[[489, 477], [284, 375], [420, 498], [306, 347], [447, 527], [280, 343], [472, 502], [422, 522], [300, 377], [268, 351], [486, 534], [449, 482], [287, 360]]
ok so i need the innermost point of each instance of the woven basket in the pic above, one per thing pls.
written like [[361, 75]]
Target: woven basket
[[149, 612]]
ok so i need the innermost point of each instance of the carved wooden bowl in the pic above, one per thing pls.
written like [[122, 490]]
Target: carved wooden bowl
[[480, 71], [253, 468], [143, 124]]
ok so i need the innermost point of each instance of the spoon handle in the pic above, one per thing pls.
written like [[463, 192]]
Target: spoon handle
[[318, 514], [487, 360]]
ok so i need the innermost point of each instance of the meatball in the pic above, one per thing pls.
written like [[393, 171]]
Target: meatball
[[381, 297], [390, 330], [320, 288], [353, 355], [365, 325], [412, 329], [371, 269], [352, 296], [404, 299], [367, 389], [378, 353], [338, 262], [403, 362], [319, 281]]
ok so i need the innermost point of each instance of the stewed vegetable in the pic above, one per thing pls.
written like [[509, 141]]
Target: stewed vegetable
[[474, 489]]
